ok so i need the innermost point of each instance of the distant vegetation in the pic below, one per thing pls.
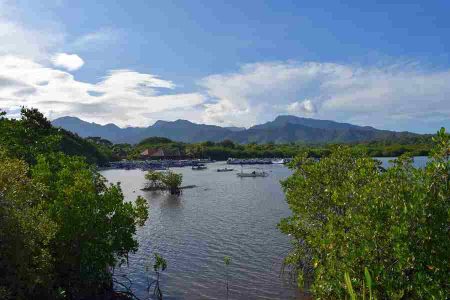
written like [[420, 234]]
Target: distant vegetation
[[100, 150], [416, 146], [351, 221]]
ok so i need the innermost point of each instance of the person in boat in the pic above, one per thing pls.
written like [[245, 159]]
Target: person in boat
[[254, 172]]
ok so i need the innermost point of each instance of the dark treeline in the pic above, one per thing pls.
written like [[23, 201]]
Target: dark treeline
[[100, 151], [62, 227], [416, 146]]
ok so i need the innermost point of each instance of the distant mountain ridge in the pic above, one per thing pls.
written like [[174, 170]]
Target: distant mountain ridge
[[283, 129]]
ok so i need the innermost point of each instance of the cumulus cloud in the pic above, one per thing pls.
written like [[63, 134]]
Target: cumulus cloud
[[301, 107], [382, 96], [390, 97], [124, 97], [69, 62]]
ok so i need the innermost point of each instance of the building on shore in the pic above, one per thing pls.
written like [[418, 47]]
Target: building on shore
[[159, 153]]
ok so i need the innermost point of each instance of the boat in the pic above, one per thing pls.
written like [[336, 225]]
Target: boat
[[279, 161], [225, 170], [199, 167], [251, 161], [253, 174]]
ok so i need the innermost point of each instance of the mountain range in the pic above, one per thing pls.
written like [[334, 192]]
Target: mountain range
[[283, 129]]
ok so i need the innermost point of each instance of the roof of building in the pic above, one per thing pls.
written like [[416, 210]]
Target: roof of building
[[149, 152]]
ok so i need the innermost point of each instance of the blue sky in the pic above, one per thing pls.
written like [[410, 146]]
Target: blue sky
[[379, 63]]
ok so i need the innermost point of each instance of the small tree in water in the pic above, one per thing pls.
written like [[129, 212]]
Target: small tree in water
[[159, 265], [154, 178], [172, 181], [227, 261], [164, 181]]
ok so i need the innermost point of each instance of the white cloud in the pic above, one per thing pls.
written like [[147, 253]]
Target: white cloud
[[18, 39], [101, 37], [369, 95], [392, 97], [69, 62], [124, 97], [301, 107]]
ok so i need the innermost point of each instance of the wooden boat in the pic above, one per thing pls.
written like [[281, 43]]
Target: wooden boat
[[253, 174], [199, 167], [225, 170]]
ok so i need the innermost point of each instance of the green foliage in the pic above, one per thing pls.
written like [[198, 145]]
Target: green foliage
[[415, 145], [172, 181], [164, 180], [367, 282], [155, 140], [26, 137], [159, 265], [348, 284], [26, 231], [71, 144], [227, 260], [226, 149], [62, 228], [120, 151], [95, 225], [33, 134], [347, 215], [154, 178]]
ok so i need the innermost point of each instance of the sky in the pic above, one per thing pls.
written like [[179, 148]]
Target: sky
[[384, 64]]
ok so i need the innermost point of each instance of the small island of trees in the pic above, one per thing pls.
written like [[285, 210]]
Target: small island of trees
[[164, 181]]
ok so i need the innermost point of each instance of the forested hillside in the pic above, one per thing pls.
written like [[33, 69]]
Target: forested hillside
[[282, 130]]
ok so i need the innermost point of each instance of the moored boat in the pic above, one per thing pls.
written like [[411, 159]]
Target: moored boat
[[225, 170], [278, 161], [199, 167], [253, 174]]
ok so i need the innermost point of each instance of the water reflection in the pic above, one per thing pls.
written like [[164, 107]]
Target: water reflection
[[223, 215]]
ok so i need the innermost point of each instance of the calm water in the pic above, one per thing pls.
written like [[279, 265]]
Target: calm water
[[223, 215], [419, 161]]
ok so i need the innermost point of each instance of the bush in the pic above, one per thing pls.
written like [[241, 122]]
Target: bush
[[95, 226], [348, 215], [62, 228], [154, 178], [172, 181], [25, 233], [164, 181]]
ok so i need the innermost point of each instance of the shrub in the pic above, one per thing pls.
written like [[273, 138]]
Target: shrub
[[348, 215], [172, 181]]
